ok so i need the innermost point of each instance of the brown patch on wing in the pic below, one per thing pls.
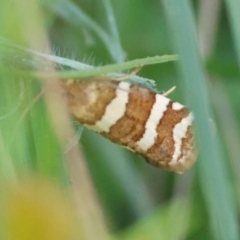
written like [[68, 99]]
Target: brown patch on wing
[[87, 100], [131, 126], [188, 153], [187, 143], [161, 152]]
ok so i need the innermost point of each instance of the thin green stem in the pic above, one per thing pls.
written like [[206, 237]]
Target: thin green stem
[[213, 174], [117, 48]]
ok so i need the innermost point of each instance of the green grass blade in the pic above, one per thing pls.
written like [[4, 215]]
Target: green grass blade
[[118, 52], [233, 7], [127, 177], [117, 67], [76, 16], [85, 70], [166, 222], [214, 177]]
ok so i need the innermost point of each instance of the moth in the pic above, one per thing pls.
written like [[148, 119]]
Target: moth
[[143, 121]]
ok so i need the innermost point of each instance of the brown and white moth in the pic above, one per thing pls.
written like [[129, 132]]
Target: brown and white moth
[[147, 123]]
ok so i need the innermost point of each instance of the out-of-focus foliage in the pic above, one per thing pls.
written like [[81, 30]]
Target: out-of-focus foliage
[[37, 209], [137, 200]]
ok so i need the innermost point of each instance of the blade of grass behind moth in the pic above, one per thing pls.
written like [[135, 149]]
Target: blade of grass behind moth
[[85, 70], [56, 122], [119, 164], [52, 131], [85, 195], [213, 175], [49, 160], [81, 187], [11, 98], [118, 52], [208, 22], [164, 223], [12, 101], [233, 7], [117, 67], [76, 16], [226, 117], [182, 189], [7, 168]]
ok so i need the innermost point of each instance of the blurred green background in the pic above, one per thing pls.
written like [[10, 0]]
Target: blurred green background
[[117, 193]]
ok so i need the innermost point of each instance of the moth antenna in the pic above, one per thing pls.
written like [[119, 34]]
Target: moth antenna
[[169, 91], [127, 76]]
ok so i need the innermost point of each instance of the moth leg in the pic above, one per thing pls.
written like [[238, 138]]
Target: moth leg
[[127, 76], [169, 91]]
